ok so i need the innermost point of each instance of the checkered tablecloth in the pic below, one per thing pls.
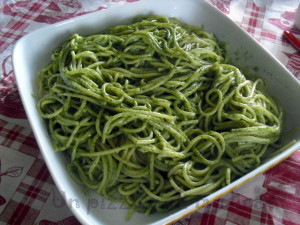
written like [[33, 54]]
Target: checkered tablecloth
[[27, 192]]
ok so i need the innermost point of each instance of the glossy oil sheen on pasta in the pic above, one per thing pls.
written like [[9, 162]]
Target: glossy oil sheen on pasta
[[152, 114]]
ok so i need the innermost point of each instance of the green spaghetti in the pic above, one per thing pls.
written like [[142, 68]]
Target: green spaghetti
[[151, 113]]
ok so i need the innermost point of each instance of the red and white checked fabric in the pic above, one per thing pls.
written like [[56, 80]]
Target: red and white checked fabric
[[27, 193]]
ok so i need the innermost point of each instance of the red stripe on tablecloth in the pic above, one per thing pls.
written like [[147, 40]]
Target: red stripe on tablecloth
[[240, 210], [29, 197], [8, 38], [256, 14], [32, 191], [8, 35], [16, 134], [19, 214], [6, 214], [39, 171], [32, 10], [12, 135], [17, 30], [17, 25], [30, 147], [43, 174], [208, 219], [266, 218], [23, 214], [4, 45], [287, 222], [281, 199], [252, 22], [295, 63], [252, 6], [269, 35], [30, 141], [220, 203]]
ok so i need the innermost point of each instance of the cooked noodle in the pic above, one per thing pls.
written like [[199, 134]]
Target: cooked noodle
[[151, 113]]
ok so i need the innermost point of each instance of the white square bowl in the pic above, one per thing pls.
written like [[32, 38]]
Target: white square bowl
[[32, 52]]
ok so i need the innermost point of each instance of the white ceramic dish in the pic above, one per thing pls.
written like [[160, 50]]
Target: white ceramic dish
[[33, 51]]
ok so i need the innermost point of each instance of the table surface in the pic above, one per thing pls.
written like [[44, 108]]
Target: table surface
[[27, 192]]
